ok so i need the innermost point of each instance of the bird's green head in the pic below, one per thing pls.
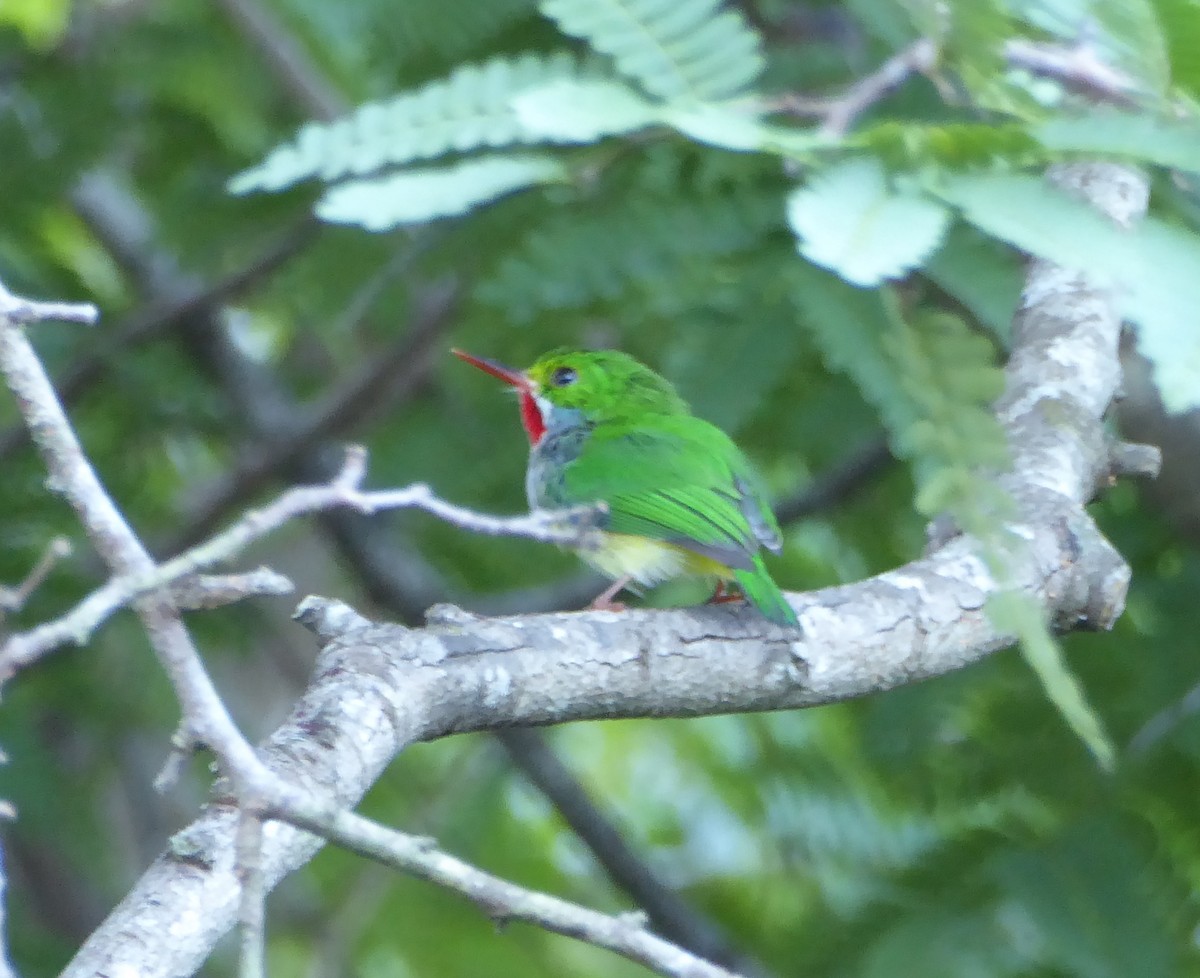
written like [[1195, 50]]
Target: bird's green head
[[599, 387]]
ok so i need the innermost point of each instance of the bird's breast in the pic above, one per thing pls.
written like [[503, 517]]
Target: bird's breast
[[548, 460]]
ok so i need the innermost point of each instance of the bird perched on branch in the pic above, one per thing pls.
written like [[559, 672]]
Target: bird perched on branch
[[681, 497]]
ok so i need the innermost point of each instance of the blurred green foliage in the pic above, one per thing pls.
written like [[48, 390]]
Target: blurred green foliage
[[956, 828]]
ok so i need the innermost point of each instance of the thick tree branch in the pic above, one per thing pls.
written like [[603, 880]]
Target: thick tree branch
[[380, 688]]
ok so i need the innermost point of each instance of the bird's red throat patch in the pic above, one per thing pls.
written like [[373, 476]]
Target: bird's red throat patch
[[531, 418]]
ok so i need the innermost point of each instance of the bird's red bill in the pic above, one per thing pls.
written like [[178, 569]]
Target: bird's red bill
[[506, 374], [531, 418]]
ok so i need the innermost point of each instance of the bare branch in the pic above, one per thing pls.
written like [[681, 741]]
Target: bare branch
[[14, 598], [23, 312], [576, 527], [208, 591], [1079, 68], [840, 112], [499, 899], [669, 912], [72, 476], [6, 968]]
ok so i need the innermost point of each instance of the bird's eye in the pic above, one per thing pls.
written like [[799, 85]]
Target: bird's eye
[[563, 377]]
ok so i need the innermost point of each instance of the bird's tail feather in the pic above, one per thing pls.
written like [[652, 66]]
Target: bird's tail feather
[[762, 592]]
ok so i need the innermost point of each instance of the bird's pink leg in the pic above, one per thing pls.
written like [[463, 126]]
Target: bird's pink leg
[[604, 601]]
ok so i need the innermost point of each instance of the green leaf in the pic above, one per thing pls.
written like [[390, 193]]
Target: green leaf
[[469, 109], [848, 219], [574, 259], [686, 49], [732, 126], [1180, 21], [1014, 612], [583, 111], [1152, 267], [912, 145], [1163, 298], [981, 273], [1140, 136], [416, 196], [933, 381]]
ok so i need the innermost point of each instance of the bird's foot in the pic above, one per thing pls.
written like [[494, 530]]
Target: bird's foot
[[599, 605], [722, 595], [604, 601]]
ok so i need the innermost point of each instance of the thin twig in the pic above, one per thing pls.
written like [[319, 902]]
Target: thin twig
[[569, 527], [1079, 68], [208, 591], [501, 900], [24, 312], [14, 598], [840, 112], [388, 379]]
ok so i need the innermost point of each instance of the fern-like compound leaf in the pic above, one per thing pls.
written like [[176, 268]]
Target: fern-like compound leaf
[[850, 220], [469, 109], [419, 195], [675, 49]]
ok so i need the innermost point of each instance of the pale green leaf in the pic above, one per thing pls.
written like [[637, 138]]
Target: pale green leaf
[[686, 49], [731, 126], [416, 196], [1028, 212], [848, 219], [1164, 300], [1151, 267], [469, 109], [1139, 135], [1015, 613], [583, 111]]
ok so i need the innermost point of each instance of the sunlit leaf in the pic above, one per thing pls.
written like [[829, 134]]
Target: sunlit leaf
[[422, 195], [685, 49], [848, 219]]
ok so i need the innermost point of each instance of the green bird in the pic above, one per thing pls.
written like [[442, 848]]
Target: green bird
[[681, 497]]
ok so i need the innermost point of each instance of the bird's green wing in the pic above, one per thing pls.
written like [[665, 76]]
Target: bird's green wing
[[678, 479]]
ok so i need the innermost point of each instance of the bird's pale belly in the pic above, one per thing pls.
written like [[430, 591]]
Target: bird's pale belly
[[649, 561]]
